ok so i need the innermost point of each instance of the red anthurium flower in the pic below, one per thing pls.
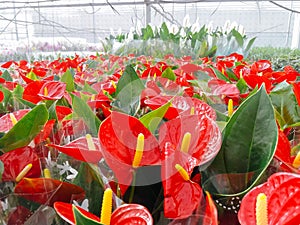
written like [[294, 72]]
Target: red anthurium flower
[[8, 120], [16, 160], [261, 66], [47, 191], [131, 214], [69, 128], [283, 150], [181, 195], [40, 71], [257, 80], [126, 214], [52, 90], [45, 132], [152, 71], [296, 89], [19, 216], [85, 149], [65, 211], [1, 96], [190, 68], [109, 86], [224, 90], [118, 136], [62, 112], [181, 106], [273, 202], [99, 101], [7, 64], [289, 75], [205, 136], [32, 90]]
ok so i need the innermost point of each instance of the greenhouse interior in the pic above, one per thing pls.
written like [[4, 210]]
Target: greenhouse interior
[[149, 112]]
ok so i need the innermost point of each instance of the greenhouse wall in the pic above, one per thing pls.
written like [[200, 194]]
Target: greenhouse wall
[[72, 22]]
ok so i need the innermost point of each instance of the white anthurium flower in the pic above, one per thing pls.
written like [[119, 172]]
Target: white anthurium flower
[[139, 28], [119, 31], [182, 33], [174, 29], [210, 27], [130, 34], [234, 25], [226, 27], [112, 32], [186, 21], [241, 30], [84, 205], [195, 27]]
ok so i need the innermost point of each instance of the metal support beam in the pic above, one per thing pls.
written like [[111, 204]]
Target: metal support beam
[[296, 32], [148, 12]]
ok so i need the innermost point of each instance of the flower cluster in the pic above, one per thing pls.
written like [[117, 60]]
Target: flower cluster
[[156, 141]]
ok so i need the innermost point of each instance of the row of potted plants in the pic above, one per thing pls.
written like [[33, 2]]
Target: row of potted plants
[[171, 138]]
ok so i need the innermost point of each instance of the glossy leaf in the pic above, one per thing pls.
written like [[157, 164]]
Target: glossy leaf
[[81, 219], [47, 191], [152, 119], [25, 129], [168, 73], [1, 170], [283, 194], [68, 79], [249, 144], [82, 110], [284, 101], [129, 89]]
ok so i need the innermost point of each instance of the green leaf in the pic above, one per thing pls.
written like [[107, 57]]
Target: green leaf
[[164, 31], [52, 111], [168, 73], [238, 37], [25, 129], [6, 76], [249, 45], [231, 74], [220, 75], [249, 143], [81, 219], [69, 80], [285, 103], [31, 75], [89, 179], [152, 119], [7, 95], [82, 110], [242, 85], [89, 89], [128, 91], [1, 170]]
